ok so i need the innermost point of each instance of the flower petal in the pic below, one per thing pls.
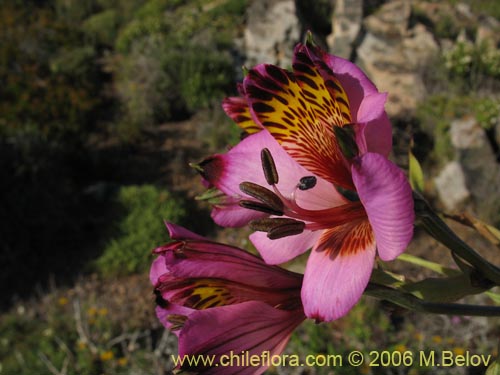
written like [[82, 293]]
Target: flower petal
[[234, 216], [204, 259], [299, 111], [165, 315], [283, 249], [158, 268], [177, 232], [353, 79], [237, 109], [242, 163], [336, 276], [252, 327], [387, 197], [375, 133]]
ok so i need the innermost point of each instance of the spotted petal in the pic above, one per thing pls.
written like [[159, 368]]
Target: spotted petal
[[237, 109], [252, 327], [338, 271], [387, 197], [299, 111]]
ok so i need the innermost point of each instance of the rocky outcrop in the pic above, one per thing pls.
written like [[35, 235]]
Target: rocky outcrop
[[271, 33], [393, 55], [346, 27], [475, 171]]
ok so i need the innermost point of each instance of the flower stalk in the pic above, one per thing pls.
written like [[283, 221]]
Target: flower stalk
[[438, 229]]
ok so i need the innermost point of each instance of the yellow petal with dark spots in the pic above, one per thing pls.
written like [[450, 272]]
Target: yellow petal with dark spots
[[300, 110]]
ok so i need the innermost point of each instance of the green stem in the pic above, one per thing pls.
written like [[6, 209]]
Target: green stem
[[438, 229], [413, 303]]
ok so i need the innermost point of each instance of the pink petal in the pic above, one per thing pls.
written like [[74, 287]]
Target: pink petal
[[177, 232], [214, 260], [163, 313], [243, 163], [376, 131], [158, 268], [283, 249], [387, 197], [250, 326], [234, 216], [333, 286]]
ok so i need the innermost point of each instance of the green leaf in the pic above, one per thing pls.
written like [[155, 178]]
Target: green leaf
[[415, 173], [428, 264], [494, 368], [445, 289]]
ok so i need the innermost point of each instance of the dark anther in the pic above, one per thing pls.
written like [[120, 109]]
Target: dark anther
[[266, 196], [286, 230], [257, 206], [278, 227], [346, 139], [348, 194], [269, 167], [307, 182], [177, 321]]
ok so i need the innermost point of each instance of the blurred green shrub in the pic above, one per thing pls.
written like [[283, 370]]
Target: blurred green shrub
[[102, 27], [141, 229], [473, 64], [437, 111]]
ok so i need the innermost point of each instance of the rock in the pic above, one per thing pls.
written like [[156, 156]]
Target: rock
[[488, 29], [450, 186], [390, 20], [392, 56], [272, 31], [480, 167], [346, 25]]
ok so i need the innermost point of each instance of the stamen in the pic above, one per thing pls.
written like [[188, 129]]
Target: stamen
[[346, 139], [286, 230], [278, 227], [257, 206], [348, 194], [177, 321], [269, 167], [266, 196], [307, 182]]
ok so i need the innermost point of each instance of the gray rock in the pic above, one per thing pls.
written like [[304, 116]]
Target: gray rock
[[271, 33], [346, 25], [450, 186], [480, 167], [393, 56]]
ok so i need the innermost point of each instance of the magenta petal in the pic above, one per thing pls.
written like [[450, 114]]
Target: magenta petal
[[376, 130], [372, 107], [234, 216], [250, 326], [177, 232], [213, 260], [333, 286], [158, 268], [387, 197], [162, 313], [283, 249], [243, 163]]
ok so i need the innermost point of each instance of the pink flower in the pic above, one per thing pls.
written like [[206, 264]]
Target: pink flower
[[220, 300], [315, 174]]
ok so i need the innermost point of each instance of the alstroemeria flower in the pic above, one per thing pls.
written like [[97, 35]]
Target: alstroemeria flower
[[220, 300], [316, 173]]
